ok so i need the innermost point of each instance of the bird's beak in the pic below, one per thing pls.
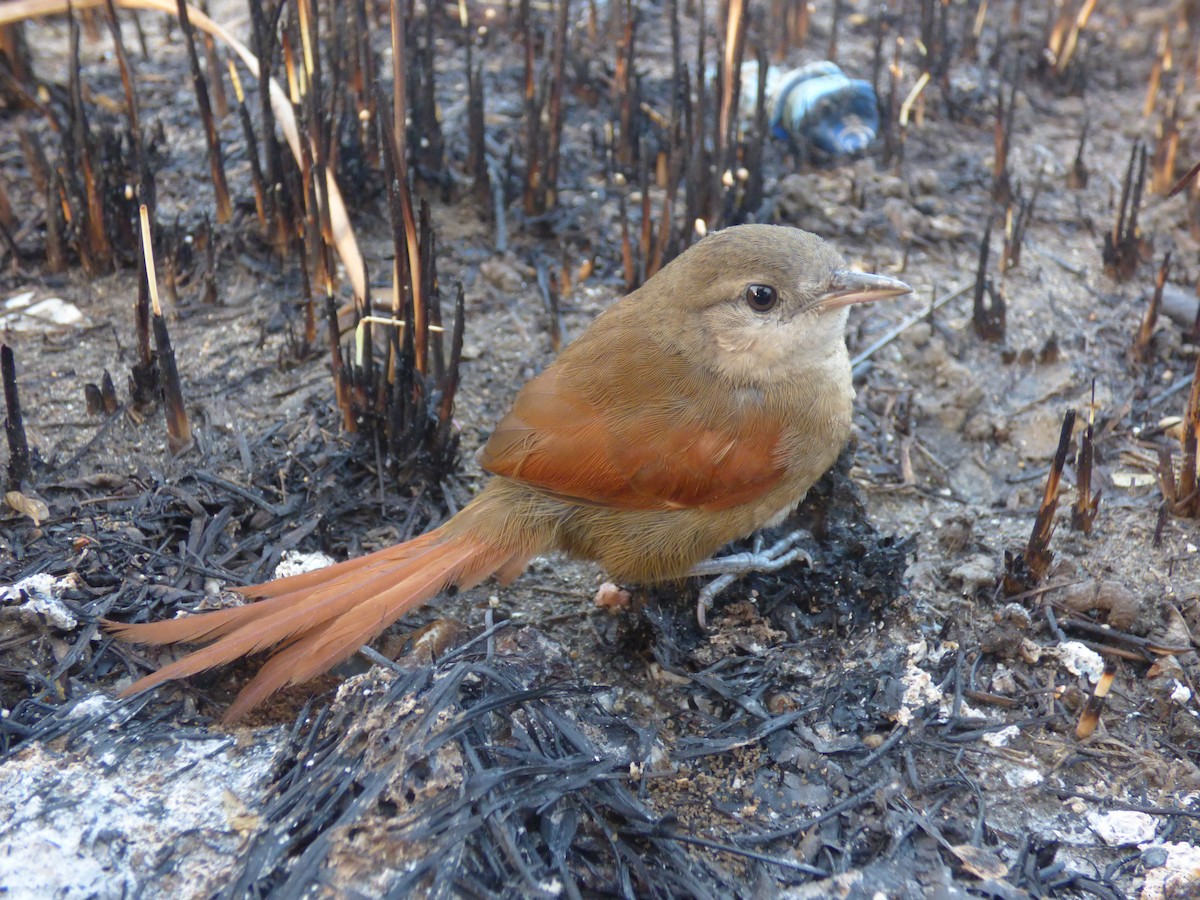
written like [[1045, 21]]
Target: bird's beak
[[849, 287]]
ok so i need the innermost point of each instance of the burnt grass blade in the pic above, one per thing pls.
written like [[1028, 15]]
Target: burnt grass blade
[[492, 773], [155, 542], [543, 795]]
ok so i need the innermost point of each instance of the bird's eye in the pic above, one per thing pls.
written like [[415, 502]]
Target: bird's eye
[[761, 297]]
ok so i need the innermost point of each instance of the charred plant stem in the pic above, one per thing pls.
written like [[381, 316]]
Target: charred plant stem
[[19, 467], [1187, 497], [988, 317], [1123, 245], [1087, 504], [1025, 571], [212, 138], [256, 172], [1090, 717], [1140, 351], [179, 428]]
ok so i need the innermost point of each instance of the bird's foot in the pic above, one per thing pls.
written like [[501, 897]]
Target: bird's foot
[[729, 568]]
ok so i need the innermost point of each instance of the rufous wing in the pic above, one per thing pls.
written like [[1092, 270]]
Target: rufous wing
[[659, 455]]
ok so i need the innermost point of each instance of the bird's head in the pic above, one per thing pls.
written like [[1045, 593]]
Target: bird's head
[[767, 302]]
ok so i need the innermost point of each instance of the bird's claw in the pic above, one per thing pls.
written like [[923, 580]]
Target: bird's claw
[[782, 553]]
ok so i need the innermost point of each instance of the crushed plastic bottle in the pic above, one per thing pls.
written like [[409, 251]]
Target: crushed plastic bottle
[[816, 105]]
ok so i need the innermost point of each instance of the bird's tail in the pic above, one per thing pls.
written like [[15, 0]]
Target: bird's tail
[[317, 619]]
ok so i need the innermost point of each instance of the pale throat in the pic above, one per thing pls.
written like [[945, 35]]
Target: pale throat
[[769, 354]]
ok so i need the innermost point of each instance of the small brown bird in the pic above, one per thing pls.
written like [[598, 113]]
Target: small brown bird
[[692, 412]]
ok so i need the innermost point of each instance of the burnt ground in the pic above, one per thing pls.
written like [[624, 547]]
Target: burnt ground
[[885, 723]]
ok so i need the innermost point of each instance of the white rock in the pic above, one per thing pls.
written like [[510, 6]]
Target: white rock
[[1021, 777], [56, 311], [1180, 877], [41, 594], [296, 563], [919, 691], [53, 312], [1080, 660], [1002, 737], [1122, 827], [20, 301]]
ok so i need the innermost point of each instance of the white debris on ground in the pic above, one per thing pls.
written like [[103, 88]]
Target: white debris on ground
[[1022, 777], [38, 599], [1178, 876], [1181, 693], [295, 562], [94, 705], [20, 313], [1066, 823], [1080, 660], [921, 652], [1002, 737], [163, 819], [1123, 827], [919, 691]]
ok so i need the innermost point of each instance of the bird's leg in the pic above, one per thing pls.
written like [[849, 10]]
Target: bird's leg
[[729, 568]]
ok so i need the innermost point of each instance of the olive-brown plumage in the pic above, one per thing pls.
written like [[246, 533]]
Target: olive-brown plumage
[[692, 412]]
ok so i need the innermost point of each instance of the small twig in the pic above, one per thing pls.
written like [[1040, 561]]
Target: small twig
[[908, 323], [1132, 641]]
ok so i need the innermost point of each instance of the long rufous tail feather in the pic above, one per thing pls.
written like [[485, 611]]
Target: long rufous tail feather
[[340, 637], [275, 595], [275, 618], [317, 619]]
